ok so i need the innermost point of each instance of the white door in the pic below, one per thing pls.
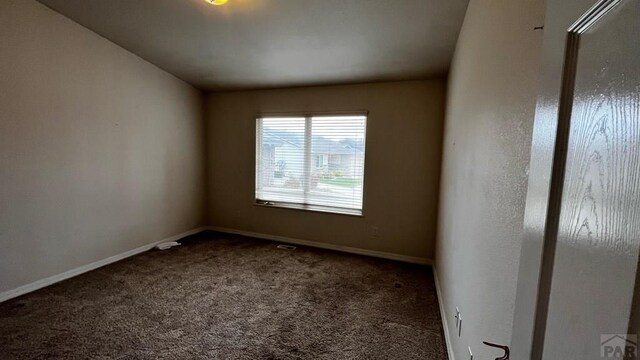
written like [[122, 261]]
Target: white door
[[578, 288]]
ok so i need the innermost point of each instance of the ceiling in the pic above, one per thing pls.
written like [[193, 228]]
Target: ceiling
[[279, 43]]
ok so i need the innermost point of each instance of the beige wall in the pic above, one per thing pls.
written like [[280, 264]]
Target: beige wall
[[402, 166], [100, 151], [489, 120]]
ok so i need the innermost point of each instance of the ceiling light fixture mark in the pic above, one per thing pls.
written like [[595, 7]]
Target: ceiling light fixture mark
[[217, 2]]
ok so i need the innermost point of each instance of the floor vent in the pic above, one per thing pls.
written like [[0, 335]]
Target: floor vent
[[286, 247]]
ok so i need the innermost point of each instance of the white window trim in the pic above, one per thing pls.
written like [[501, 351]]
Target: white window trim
[[312, 208]]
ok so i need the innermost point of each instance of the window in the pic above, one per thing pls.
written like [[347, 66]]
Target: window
[[319, 161], [313, 163]]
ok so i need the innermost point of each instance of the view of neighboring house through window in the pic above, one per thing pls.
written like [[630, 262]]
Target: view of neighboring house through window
[[314, 162]]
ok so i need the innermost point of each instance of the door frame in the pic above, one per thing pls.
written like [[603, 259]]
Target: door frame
[[565, 20]]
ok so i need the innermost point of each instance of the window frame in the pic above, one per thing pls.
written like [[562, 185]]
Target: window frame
[[309, 161]]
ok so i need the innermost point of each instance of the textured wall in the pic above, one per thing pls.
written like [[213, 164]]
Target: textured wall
[[402, 168], [489, 119], [100, 151]]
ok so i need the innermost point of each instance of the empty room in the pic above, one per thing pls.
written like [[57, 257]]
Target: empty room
[[320, 179]]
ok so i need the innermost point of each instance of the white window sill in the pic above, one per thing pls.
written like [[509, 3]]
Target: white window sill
[[304, 207]]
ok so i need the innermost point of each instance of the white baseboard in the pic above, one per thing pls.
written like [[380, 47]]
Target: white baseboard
[[443, 314], [347, 249], [10, 294]]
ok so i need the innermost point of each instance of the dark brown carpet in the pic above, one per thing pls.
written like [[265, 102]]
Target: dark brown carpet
[[230, 297]]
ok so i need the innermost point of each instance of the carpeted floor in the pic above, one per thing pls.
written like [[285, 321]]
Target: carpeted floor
[[230, 297]]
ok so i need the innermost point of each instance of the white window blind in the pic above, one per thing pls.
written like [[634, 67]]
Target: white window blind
[[314, 162]]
